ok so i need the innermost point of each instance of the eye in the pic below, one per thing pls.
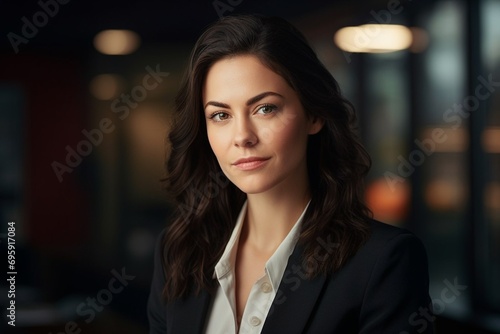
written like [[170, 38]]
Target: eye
[[219, 116], [266, 109]]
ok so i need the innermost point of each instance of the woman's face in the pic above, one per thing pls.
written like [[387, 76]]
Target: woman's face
[[256, 125]]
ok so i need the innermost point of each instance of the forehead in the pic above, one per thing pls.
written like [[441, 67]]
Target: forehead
[[241, 75]]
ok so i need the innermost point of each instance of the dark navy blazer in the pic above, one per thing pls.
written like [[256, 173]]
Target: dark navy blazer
[[384, 288]]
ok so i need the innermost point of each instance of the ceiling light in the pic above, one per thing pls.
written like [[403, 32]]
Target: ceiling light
[[374, 38], [491, 139], [117, 42], [106, 86]]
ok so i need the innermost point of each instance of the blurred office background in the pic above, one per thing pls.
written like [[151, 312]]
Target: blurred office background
[[82, 143]]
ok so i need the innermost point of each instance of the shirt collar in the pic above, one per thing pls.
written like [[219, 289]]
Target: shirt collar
[[228, 258], [275, 266]]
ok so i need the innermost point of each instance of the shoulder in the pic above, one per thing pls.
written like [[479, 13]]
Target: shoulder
[[159, 248], [385, 236], [385, 283], [395, 280], [382, 232], [388, 247], [156, 306]]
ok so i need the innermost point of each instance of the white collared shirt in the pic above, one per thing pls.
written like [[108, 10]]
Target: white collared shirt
[[222, 316]]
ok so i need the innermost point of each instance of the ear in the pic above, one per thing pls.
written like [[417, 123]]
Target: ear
[[315, 125]]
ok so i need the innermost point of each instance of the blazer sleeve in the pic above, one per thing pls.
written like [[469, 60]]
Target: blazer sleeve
[[397, 299], [156, 307]]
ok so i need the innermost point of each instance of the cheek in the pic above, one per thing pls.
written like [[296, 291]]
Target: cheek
[[289, 135], [278, 130], [212, 140], [217, 141]]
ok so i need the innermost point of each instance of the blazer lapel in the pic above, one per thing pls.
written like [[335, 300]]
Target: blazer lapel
[[188, 316], [295, 299]]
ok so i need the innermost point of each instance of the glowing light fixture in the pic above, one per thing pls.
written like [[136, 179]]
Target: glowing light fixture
[[445, 195], [374, 38], [420, 40], [117, 42], [448, 139], [106, 86], [491, 139]]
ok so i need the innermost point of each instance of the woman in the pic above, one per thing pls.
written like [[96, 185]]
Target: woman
[[271, 234]]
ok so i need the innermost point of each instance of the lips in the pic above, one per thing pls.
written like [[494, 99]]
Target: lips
[[250, 163]]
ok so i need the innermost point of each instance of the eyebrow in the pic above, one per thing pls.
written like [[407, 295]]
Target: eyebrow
[[250, 101]]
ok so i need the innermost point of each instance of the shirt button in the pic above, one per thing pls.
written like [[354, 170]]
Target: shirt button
[[266, 287], [254, 321]]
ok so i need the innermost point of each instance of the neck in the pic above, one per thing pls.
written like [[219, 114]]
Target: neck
[[271, 215]]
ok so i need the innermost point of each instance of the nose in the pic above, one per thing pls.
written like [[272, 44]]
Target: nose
[[245, 135]]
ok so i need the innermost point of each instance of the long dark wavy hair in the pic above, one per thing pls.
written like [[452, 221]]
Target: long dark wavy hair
[[208, 204]]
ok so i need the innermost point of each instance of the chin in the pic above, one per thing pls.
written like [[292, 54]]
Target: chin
[[251, 189], [254, 186]]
